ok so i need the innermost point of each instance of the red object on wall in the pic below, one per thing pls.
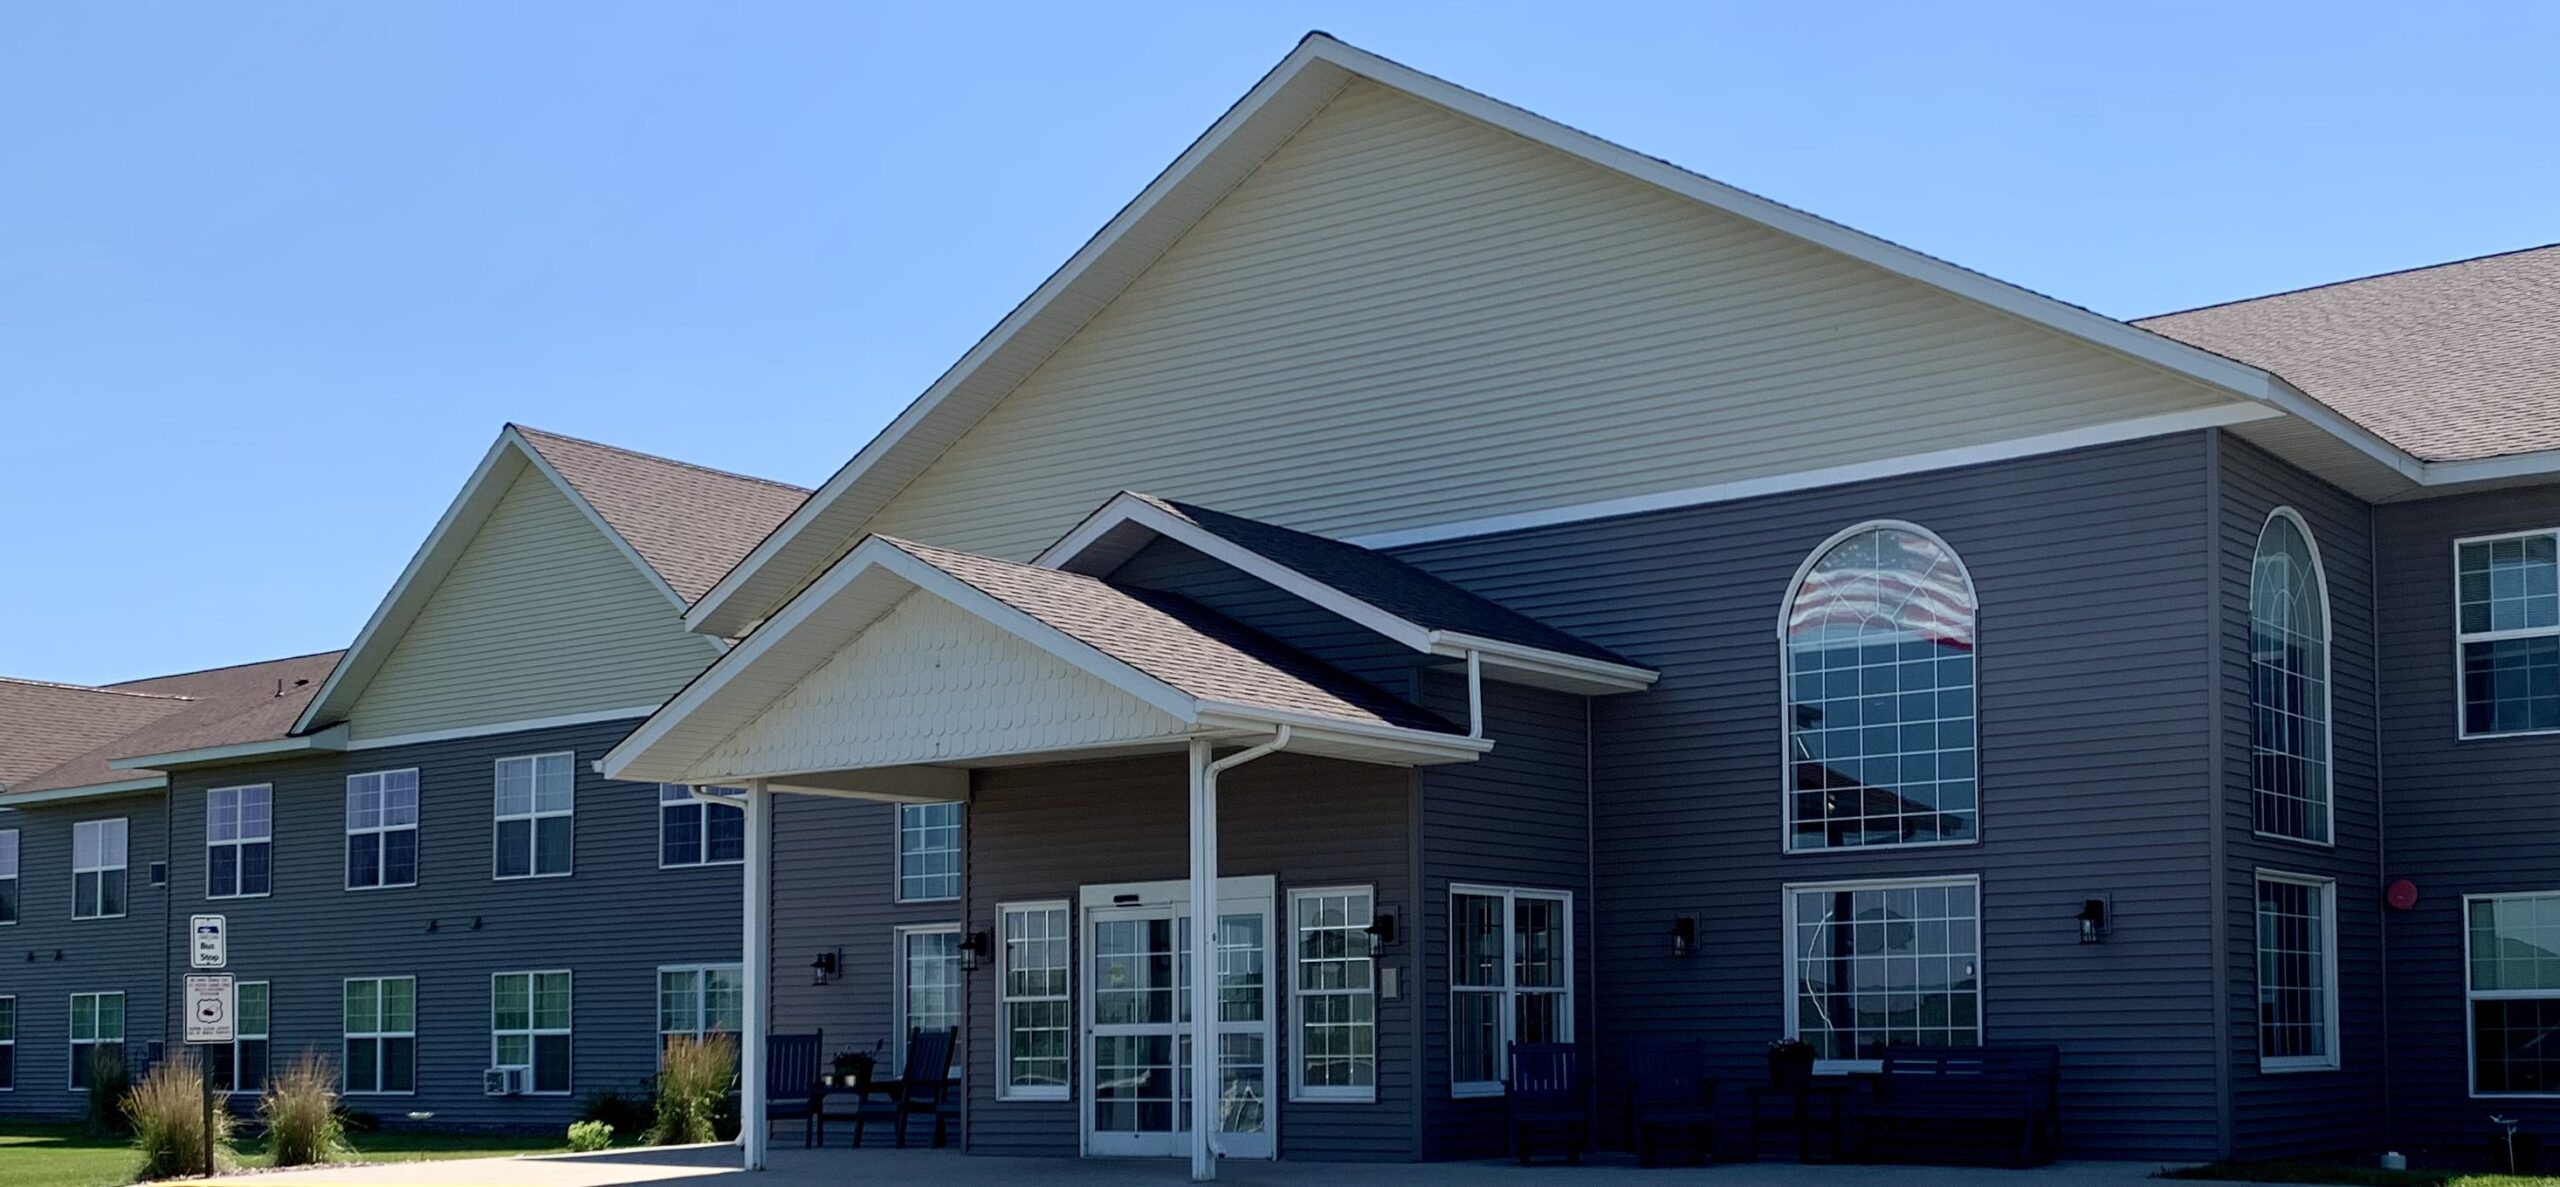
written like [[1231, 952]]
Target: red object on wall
[[2403, 895]]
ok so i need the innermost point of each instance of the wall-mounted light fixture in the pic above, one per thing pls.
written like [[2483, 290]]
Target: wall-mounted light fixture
[[827, 967], [1381, 930], [976, 950], [2093, 920], [1684, 935]]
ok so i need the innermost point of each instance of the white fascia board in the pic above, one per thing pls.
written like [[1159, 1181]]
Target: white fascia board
[[332, 738], [58, 794], [1598, 675], [1423, 745], [502, 727]]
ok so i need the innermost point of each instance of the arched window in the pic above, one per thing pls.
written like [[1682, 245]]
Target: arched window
[[2289, 682], [1878, 643]]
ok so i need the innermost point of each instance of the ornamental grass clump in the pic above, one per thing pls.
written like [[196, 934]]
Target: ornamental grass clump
[[692, 1086], [167, 1112], [109, 1084], [300, 1108]]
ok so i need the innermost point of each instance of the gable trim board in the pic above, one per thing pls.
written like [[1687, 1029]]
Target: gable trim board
[[1281, 103]]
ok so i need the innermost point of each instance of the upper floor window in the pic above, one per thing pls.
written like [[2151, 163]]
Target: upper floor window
[[537, 801], [382, 829], [693, 833], [2507, 622], [97, 869], [239, 840], [2289, 683], [928, 852], [8, 875], [1878, 657]]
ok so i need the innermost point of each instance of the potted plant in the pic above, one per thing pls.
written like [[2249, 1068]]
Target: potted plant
[[1790, 1063], [853, 1068]]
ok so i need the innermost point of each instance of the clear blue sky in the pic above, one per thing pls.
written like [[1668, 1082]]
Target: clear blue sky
[[272, 275]]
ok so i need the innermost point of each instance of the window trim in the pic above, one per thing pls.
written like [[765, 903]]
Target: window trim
[[1005, 1087], [701, 972], [16, 845], [2328, 676], [702, 813], [898, 853], [381, 831], [2470, 1037], [2453, 606], [1786, 693], [237, 865], [534, 817], [1787, 953], [123, 824], [2330, 992], [1472, 1089], [532, 1032], [71, 1042], [898, 991], [1296, 1047], [377, 1035], [10, 1040]]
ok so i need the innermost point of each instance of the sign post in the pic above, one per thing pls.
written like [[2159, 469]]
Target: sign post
[[211, 1002]]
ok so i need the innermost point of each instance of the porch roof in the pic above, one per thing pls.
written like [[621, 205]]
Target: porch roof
[[1001, 662]]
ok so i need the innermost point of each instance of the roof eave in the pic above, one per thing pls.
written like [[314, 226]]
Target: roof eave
[[332, 738], [50, 795]]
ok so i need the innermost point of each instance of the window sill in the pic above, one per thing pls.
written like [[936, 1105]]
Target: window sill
[[1347, 1096], [2264, 835], [1475, 1091], [1878, 847], [2295, 1064], [1033, 1096], [383, 886]]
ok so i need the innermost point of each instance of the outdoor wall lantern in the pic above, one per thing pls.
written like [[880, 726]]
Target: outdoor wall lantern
[[1381, 930], [828, 966], [978, 949], [1684, 935], [2093, 920]]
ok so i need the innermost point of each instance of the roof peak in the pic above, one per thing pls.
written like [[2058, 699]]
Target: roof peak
[[545, 434]]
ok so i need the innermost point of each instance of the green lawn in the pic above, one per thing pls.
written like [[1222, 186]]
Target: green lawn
[[69, 1156], [2357, 1176]]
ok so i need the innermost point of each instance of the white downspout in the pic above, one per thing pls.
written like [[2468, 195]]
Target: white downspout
[[757, 952], [1204, 944], [1475, 693]]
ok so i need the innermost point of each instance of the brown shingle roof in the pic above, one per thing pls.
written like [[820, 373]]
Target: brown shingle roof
[[1179, 642], [2453, 362], [692, 524], [43, 725], [252, 702]]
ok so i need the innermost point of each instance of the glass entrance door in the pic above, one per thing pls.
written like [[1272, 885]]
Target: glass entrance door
[[1137, 992]]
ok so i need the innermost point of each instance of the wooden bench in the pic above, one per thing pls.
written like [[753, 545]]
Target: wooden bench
[[1933, 1100]]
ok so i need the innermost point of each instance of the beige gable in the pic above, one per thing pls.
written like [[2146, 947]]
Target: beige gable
[[541, 616], [1407, 317], [932, 683]]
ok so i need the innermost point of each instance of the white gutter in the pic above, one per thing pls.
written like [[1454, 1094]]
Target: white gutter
[[1204, 941]]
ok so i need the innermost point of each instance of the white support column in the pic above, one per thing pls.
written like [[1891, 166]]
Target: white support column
[[758, 961], [1204, 964]]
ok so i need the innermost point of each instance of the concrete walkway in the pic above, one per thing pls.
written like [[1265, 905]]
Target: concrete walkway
[[717, 1166]]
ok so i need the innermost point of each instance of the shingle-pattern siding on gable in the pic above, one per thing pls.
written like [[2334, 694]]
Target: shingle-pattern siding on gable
[[2093, 708], [2463, 817], [95, 955], [1460, 323], [541, 617], [2291, 1114]]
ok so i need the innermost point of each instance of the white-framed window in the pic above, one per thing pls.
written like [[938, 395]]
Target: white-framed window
[[2511, 959], [1876, 647], [2507, 633], [379, 1025], [929, 983], [8, 876], [928, 852], [537, 810], [1333, 988], [529, 1021], [2297, 973], [1510, 979], [2289, 682], [1890, 962], [239, 841], [693, 833], [1039, 1017], [8, 1043], [97, 869], [97, 1025], [241, 1066], [382, 829], [700, 999]]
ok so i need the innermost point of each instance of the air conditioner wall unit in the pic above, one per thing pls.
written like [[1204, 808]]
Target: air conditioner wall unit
[[505, 1081]]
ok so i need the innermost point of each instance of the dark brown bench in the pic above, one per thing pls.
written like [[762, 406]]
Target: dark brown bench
[[1937, 1100]]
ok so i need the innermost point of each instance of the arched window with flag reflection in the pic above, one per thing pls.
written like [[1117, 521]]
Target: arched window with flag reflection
[[1878, 655]]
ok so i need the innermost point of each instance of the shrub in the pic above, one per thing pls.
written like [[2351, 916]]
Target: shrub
[[301, 1111], [167, 1112], [695, 1080], [587, 1137], [626, 1113], [109, 1084]]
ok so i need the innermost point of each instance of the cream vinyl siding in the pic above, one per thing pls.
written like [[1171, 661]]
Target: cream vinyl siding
[[1408, 317], [541, 616], [930, 682]]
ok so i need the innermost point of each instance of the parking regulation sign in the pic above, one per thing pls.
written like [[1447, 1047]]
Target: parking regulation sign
[[209, 1008], [212, 947]]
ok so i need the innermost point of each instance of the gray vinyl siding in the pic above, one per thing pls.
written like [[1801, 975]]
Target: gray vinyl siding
[[47, 955], [2464, 817], [2304, 1112], [612, 922], [1039, 833], [835, 888], [2092, 574]]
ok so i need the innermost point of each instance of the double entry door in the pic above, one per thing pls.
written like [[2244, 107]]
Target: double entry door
[[1136, 992]]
